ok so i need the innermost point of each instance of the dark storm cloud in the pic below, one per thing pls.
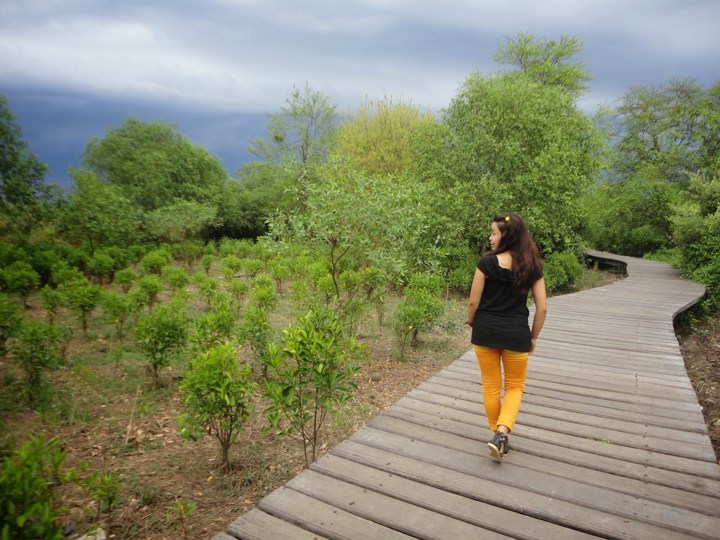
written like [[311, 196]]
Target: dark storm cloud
[[75, 68]]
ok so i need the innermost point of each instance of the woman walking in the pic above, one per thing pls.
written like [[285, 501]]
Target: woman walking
[[498, 315]]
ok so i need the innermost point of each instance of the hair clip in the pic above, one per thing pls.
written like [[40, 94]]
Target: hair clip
[[507, 218]]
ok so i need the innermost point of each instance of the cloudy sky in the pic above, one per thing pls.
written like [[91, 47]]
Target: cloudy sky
[[72, 69]]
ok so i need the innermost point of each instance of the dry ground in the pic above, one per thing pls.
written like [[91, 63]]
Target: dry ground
[[109, 416]]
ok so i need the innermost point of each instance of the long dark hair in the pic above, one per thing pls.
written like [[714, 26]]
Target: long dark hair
[[517, 240]]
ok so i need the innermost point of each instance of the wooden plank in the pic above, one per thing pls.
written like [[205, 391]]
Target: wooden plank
[[669, 487], [443, 503], [592, 445], [696, 446], [655, 517], [469, 401], [322, 518], [395, 514], [257, 525], [462, 479]]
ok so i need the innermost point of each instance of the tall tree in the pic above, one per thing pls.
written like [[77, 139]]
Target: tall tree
[[376, 137], [154, 165], [510, 143], [24, 196], [98, 214], [663, 131], [301, 132], [547, 61]]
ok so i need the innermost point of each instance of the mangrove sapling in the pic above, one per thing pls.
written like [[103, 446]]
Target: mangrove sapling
[[309, 377], [217, 392]]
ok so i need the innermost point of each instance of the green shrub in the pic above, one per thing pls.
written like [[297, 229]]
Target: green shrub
[[10, 321], [52, 300], [417, 312], [561, 271], [149, 288], [83, 298], [161, 335], [308, 377], [36, 349], [21, 279], [217, 393], [154, 261], [28, 508], [176, 278], [126, 278]]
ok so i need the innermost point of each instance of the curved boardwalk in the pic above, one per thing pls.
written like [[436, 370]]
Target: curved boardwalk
[[610, 441]]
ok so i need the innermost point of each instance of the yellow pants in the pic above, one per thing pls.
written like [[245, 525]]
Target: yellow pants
[[514, 364]]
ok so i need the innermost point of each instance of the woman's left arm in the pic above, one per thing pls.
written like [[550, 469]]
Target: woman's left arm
[[476, 291], [540, 298]]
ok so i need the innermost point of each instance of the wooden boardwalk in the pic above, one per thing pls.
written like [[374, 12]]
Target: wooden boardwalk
[[610, 441]]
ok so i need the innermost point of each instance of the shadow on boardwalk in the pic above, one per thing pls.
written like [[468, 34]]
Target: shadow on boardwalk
[[610, 441]]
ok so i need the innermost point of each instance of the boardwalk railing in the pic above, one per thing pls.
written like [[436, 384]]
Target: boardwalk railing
[[610, 441]]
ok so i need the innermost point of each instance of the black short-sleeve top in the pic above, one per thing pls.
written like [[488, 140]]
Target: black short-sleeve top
[[501, 319]]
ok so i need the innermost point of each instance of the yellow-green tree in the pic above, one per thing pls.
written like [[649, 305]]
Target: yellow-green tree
[[376, 137]]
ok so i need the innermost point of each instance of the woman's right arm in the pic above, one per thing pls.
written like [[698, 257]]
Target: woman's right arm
[[540, 297], [476, 291]]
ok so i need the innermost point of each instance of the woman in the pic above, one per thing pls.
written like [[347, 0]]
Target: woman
[[498, 316]]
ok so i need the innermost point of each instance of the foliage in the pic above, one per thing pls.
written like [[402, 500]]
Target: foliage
[[216, 326], [117, 309], [375, 138], [631, 217], [148, 288], [125, 278], [176, 278], [10, 321], [217, 392], [20, 278], [258, 333], [52, 300], [561, 270], [28, 507], [508, 142], [25, 199], [154, 261], [153, 165], [83, 298], [181, 221], [309, 377], [663, 131], [35, 349], [418, 311], [161, 335], [104, 488], [547, 62], [98, 213], [696, 229]]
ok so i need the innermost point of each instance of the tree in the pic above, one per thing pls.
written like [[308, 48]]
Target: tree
[[664, 132], [153, 165], [217, 392], [181, 221], [98, 213], [161, 335], [10, 322], [309, 377], [546, 61], [83, 298], [301, 132], [35, 349], [24, 196], [508, 142], [299, 139], [376, 137], [20, 278]]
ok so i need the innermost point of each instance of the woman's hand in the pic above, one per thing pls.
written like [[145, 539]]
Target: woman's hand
[[533, 342]]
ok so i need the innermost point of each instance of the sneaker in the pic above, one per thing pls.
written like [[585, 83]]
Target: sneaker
[[498, 446]]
